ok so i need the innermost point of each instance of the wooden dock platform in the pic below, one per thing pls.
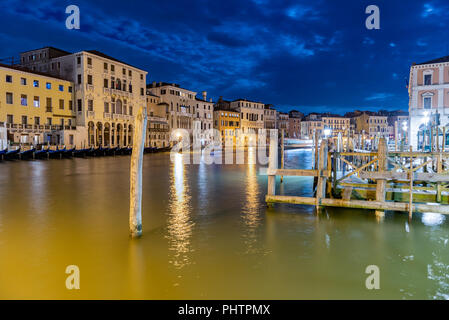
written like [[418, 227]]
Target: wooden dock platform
[[377, 180]]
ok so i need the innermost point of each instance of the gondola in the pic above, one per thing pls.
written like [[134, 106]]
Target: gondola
[[27, 154], [149, 149], [41, 154], [68, 153], [112, 151], [56, 154], [2, 153], [12, 154], [99, 152], [124, 151], [81, 152]]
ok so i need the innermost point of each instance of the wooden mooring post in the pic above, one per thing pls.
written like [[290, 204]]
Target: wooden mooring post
[[282, 153], [322, 175], [135, 205], [382, 167], [272, 162]]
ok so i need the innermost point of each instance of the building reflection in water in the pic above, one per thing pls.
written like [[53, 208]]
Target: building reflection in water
[[251, 207], [180, 225]]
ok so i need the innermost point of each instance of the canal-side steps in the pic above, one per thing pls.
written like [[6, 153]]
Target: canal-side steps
[[377, 180], [63, 152]]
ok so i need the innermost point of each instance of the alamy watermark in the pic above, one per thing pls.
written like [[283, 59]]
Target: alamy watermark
[[73, 20], [373, 20], [73, 280], [211, 147], [373, 280]]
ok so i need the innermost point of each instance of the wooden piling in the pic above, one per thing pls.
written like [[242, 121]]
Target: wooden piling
[[444, 139], [272, 163], [382, 167], [410, 203], [135, 210], [282, 153], [322, 175], [439, 171]]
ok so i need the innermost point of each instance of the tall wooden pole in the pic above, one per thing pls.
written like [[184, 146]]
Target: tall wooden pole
[[444, 139], [410, 209], [381, 183], [135, 205], [272, 162], [396, 136], [282, 153]]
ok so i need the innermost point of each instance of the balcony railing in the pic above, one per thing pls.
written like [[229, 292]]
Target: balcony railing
[[107, 115], [90, 87], [90, 114]]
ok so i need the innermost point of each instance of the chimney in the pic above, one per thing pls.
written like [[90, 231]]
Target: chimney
[[154, 84], [210, 99], [204, 95]]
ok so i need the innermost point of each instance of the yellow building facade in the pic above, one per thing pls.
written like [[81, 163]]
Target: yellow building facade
[[226, 122], [36, 108]]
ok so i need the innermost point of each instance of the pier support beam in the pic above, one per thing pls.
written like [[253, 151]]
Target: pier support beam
[[272, 162], [322, 175], [135, 207], [382, 165]]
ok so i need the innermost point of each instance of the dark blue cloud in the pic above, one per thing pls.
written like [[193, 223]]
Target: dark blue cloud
[[311, 55]]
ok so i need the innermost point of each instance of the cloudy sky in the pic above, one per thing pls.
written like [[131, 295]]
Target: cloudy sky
[[312, 55]]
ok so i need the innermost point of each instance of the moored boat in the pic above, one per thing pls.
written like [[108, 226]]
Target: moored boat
[[11, 154], [81, 152], [68, 153], [41, 154], [56, 154], [26, 154]]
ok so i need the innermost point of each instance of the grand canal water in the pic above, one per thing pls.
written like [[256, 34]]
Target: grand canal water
[[207, 235]]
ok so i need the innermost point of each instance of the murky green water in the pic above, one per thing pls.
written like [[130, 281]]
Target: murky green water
[[207, 235]]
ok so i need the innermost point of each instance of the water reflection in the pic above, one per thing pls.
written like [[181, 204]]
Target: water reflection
[[251, 207], [432, 219], [180, 224]]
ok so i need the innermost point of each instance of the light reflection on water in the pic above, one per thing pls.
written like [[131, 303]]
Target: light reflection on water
[[251, 204], [207, 234], [180, 224]]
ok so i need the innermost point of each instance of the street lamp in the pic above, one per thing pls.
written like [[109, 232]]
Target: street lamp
[[327, 132]]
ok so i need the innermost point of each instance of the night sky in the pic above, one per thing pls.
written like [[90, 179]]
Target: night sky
[[314, 56]]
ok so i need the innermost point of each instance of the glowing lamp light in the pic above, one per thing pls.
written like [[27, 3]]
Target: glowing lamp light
[[327, 132]]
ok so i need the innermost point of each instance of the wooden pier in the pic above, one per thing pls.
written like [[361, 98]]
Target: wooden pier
[[376, 179]]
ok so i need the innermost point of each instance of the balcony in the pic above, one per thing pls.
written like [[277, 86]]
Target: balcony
[[89, 87], [107, 115], [91, 114], [106, 90]]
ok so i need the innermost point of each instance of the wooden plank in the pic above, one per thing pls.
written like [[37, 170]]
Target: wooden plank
[[359, 170], [360, 204], [372, 154], [297, 172], [405, 176]]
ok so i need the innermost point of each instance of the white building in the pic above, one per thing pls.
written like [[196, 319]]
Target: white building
[[429, 99]]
